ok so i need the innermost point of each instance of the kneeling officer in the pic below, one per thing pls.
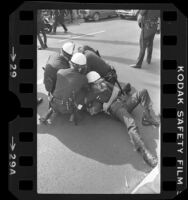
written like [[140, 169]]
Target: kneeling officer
[[70, 89], [55, 62]]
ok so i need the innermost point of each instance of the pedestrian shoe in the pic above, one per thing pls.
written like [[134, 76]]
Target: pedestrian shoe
[[149, 61], [39, 101], [40, 48], [45, 46], [148, 157], [149, 121], [136, 66]]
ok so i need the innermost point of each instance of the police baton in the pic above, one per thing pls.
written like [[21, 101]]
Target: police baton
[[74, 109], [122, 92]]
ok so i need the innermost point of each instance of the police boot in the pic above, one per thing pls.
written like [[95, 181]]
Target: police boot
[[44, 120], [140, 147], [148, 157], [148, 120]]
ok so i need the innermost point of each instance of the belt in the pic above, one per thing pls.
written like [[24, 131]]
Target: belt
[[66, 102]]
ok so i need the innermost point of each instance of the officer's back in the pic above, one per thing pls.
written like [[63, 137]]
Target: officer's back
[[95, 63], [68, 80]]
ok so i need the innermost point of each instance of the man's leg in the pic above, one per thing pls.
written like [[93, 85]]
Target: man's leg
[[45, 38], [142, 97], [54, 26], [122, 114], [40, 41], [142, 51], [64, 27], [150, 48]]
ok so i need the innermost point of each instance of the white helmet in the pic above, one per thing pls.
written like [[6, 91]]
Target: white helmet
[[79, 59], [93, 76], [68, 48]]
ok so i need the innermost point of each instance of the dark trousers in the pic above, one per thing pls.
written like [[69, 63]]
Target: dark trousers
[[57, 21], [42, 44], [122, 109], [145, 43]]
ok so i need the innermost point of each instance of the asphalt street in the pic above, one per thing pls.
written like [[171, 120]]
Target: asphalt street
[[97, 156]]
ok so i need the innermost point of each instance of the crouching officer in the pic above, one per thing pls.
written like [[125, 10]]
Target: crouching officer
[[106, 71], [103, 96], [70, 90], [55, 62]]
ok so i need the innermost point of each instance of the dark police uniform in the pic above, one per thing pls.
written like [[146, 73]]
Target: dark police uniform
[[121, 108], [70, 90], [84, 48], [148, 26], [54, 63], [95, 63], [58, 19]]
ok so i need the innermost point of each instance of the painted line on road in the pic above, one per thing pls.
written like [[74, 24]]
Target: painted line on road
[[71, 38]]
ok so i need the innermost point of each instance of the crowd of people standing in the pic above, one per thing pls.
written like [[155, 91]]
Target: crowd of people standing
[[53, 18]]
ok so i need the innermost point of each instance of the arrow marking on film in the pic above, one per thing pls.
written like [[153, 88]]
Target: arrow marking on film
[[13, 55], [12, 144]]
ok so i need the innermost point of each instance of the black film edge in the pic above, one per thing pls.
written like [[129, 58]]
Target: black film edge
[[22, 86]]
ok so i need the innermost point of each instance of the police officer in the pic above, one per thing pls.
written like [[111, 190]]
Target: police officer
[[55, 62], [95, 63], [70, 89], [40, 29], [148, 22], [58, 16], [103, 96]]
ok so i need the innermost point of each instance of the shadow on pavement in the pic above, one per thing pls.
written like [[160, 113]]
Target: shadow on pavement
[[100, 137]]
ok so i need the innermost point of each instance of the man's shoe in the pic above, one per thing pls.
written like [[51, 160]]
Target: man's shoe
[[45, 46], [39, 101], [151, 160], [136, 66], [149, 61], [149, 121]]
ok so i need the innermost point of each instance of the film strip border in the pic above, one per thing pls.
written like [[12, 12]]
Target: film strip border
[[173, 128], [23, 139]]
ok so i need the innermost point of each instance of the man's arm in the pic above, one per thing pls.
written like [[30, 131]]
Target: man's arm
[[114, 95]]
